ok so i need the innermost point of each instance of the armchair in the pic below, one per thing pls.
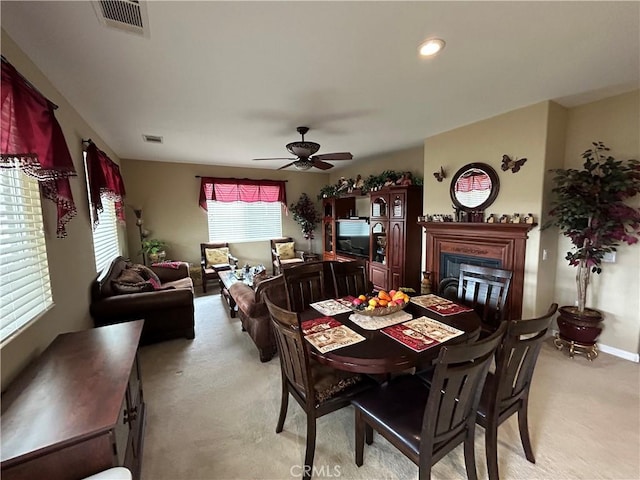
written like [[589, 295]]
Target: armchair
[[284, 254], [214, 256]]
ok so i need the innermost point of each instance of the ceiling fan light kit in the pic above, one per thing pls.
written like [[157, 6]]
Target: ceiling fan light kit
[[305, 154]]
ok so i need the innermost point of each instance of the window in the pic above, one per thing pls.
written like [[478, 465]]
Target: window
[[244, 222], [25, 289], [106, 245]]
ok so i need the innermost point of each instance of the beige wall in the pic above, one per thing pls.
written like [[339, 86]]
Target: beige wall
[[169, 192], [550, 136], [520, 133], [71, 259], [616, 291]]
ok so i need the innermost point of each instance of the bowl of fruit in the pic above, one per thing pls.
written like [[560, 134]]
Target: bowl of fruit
[[380, 303]]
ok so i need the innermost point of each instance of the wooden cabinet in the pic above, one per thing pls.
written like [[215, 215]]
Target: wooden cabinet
[[395, 237], [78, 409], [334, 209]]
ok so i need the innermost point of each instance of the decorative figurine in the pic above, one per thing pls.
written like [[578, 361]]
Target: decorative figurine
[[529, 218], [515, 218], [405, 179], [359, 183], [513, 165], [491, 218], [504, 219]]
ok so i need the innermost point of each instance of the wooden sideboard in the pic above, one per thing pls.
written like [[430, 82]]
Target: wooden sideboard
[[77, 409]]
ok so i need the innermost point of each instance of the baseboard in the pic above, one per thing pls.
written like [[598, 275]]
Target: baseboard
[[616, 352]]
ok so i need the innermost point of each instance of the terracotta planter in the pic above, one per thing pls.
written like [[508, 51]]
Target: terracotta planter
[[582, 328]]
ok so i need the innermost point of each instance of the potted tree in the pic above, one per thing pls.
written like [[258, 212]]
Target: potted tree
[[590, 209], [305, 213], [154, 250]]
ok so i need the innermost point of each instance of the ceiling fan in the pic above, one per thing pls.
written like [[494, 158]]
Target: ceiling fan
[[305, 154]]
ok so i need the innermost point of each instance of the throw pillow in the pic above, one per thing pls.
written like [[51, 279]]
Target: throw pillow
[[216, 256], [286, 250], [147, 274], [129, 275], [130, 281]]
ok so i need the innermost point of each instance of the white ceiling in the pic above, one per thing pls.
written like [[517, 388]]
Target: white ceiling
[[225, 82]]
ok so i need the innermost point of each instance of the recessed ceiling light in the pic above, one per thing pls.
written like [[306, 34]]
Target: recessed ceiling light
[[431, 47]]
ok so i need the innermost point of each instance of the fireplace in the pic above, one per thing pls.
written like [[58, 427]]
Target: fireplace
[[448, 244]]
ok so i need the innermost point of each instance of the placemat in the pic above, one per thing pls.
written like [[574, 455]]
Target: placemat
[[331, 338], [332, 307], [421, 333], [376, 323], [439, 305]]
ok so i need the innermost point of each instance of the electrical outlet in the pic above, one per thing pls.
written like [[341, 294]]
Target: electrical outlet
[[609, 257]]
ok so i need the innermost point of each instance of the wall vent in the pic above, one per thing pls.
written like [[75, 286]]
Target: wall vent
[[127, 15], [152, 138]]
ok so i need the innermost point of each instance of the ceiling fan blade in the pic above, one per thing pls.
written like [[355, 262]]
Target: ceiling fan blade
[[275, 158], [321, 165], [287, 165], [334, 156]]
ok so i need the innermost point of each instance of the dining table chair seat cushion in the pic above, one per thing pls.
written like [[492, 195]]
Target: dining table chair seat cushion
[[329, 382], [399, 405], [216, 256]]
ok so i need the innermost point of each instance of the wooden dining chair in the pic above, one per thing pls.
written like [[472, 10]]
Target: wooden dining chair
[[427, 422], [485, 290], [305, 284], [318, 389], [506, 391], [350, 278]]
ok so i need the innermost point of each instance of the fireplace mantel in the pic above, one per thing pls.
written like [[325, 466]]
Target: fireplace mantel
[[504, 242]]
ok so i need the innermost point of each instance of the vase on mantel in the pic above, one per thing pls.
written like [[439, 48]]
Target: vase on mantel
[[425, 284]]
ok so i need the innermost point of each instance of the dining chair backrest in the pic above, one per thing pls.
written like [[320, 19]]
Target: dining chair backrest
[[350, 278], [305, 284], [294, 360], [517, 357], [485, 290], [459, 375], [506, 390]]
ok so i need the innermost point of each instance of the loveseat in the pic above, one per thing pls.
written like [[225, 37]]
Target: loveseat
[[164, 301], [253, 313]]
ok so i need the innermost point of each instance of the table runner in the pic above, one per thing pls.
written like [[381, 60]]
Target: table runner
[[376, 323]]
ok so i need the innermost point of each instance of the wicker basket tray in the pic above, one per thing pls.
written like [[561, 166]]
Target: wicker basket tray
[[381, 311]]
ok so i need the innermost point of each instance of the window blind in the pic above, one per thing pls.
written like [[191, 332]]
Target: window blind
[[25, 289], [105, 236], [244, 222]]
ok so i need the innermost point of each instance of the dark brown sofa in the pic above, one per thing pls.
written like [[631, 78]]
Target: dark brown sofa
[[168, 312], [254, 315]]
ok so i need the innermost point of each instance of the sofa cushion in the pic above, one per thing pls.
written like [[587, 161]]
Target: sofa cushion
[[286, 250], [180, 283], [245, 298], [130, 281], [216, 256], [146, 273]]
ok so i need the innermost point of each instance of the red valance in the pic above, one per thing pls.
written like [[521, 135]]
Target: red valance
[[473, 183], [104, 181], [241, 190], [31, 139]]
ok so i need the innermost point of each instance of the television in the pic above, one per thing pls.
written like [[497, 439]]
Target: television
[[353, 237]]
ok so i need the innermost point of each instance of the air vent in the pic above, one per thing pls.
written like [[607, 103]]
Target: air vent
[[152, 138], [127, 15]]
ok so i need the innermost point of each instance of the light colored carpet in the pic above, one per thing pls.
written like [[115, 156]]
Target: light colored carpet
[[213, 407]]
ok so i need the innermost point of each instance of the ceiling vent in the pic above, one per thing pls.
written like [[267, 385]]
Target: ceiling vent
[[127, 15], [152, 138]]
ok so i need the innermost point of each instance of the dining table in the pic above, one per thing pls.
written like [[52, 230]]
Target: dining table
[[378, 353]]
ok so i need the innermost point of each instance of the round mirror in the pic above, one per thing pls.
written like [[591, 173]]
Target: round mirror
[[474, 187]]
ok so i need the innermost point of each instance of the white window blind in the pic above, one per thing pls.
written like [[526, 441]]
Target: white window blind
[[244, 222], [25, 290], [105, 236], [106, 244]]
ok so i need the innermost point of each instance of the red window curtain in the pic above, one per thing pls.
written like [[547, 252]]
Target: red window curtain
[[473, 183], [31, 139], [241, 190], [105, 181]]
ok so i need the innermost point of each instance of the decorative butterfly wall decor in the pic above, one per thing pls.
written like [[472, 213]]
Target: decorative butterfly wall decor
[[440, 175], [513, 165]]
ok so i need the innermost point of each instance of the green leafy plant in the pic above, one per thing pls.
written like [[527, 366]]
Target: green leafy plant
[[589, 208], [305, 213], [153, 246]]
